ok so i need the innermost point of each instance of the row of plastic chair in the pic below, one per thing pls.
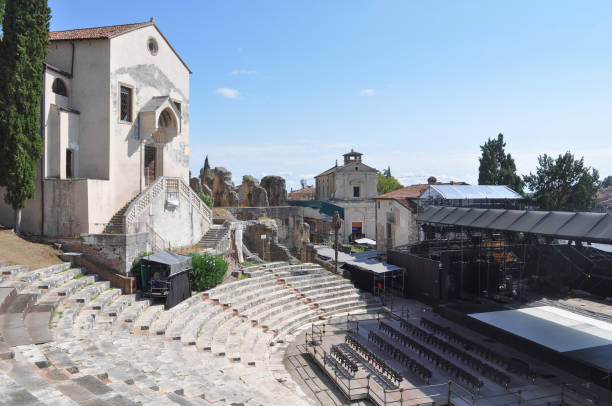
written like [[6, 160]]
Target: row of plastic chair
[[345, 361], [452, 370], [373, 359], [400, 356]]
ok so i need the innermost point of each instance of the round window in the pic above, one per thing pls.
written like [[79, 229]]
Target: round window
[[152, 45]]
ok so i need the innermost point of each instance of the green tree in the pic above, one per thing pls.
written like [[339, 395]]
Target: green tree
[[607, 182], [1, 12], [208, 199], [386, 182], [23, 50], [497, 167], [563, 183]]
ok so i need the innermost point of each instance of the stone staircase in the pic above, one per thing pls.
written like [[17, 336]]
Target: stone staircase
[[116, 225], [225, 346], [214, 236]]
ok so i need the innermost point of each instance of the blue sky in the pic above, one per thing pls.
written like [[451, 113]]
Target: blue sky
[[286, 87]]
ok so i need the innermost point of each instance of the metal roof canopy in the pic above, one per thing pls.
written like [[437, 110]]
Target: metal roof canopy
[[361, 260], [582, 226], [471, 192]]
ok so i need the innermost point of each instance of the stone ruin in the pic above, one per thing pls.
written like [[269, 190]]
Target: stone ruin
[[251, 193], [219, 182], [276, 190]]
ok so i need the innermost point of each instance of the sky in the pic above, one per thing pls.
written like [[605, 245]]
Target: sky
[[286, 87]]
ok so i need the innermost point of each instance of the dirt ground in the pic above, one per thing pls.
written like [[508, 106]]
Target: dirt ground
[[17, 251]]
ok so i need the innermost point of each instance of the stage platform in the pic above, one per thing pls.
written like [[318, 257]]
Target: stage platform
[[563, 334]]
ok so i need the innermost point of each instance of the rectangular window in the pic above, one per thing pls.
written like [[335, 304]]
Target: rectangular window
[[355, 191], [126, 104], [69, 173]]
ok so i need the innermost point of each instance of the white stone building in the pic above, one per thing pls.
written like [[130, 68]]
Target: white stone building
[[115, 129], [351, 186]]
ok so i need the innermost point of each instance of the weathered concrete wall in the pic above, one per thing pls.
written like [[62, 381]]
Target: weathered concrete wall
[[115, 251], [401, 222], [363, 212], [289, 221]]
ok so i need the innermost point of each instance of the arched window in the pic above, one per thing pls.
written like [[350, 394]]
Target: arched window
[[59, 87], [165, 120]]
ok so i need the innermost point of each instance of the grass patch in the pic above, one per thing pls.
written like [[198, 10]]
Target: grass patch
[[78, 276], [243, 276], [247, 264]]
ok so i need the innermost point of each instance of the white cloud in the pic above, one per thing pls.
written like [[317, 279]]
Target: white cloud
[[228, 93], [367, 92], [245, 72]]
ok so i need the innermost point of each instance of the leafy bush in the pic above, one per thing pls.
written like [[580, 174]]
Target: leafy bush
[[135, 269], [207, 270], [208, 199]]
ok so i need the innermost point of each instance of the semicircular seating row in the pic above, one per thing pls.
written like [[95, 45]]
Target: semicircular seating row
[[224, 346]]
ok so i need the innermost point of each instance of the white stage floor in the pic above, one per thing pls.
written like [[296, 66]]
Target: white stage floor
[[551, 327]]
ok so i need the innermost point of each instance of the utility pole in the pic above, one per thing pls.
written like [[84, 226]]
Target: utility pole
[[337, 223]]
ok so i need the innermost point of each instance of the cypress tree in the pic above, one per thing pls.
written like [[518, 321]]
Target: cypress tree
[[23, 49]]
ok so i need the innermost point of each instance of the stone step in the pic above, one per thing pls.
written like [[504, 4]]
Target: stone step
[[114, 308], [205, 337], [90, 291], [41, 273], [13, 270], [58, 279], [6, 294], [146, 318], [221, 335], [189, 334], [104, 298], [163, 320], [175, 329]]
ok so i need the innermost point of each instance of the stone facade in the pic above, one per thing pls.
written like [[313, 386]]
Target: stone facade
[[277, 190], [115, 115], [351, 186]]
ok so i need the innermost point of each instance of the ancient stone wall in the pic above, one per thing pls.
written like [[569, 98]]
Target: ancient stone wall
[[276, 190], [115, 251], [251, 193], [220, 182], [291, 229]]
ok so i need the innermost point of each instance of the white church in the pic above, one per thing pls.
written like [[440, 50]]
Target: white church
[[115, 130]]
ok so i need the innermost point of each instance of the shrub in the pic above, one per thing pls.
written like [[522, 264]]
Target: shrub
[[208, 199], [207, 270]]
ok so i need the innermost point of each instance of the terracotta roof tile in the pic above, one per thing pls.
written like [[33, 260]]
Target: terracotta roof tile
[[109, 31], [302, 194]]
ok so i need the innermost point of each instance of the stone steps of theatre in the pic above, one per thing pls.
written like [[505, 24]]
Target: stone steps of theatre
[[221, 336], [240, 286], [116, 306], [234, 340], [58, 279], [308, 289], [67, 289], [42, 273], [285, 313], [343, 307], [225, 290], [243, 293], [178, 324], [297, 276], [133, 386], [205, 335], [89, 292], [144, 321], [292, 323], [325, 278], [124, 322], [268, 311], [189, 334], [322, 294], [105, 297], [254, 346], [341, 297], [256, 313], [260, 297], [159, 325]]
